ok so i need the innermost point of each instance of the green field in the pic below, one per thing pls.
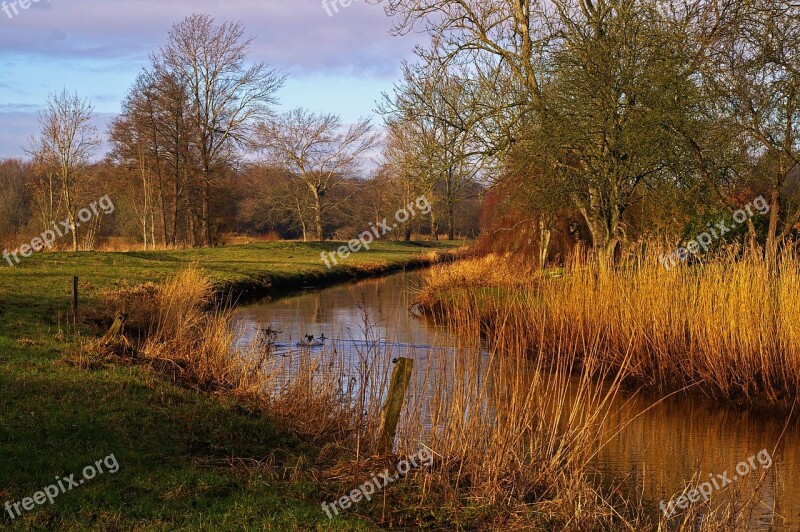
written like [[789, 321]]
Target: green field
[[186, 460]]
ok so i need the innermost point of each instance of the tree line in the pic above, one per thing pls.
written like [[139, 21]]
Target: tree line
[[607, 122], [199, 151]]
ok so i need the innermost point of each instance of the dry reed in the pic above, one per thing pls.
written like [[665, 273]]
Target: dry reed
[[513, 435], [730, 326]]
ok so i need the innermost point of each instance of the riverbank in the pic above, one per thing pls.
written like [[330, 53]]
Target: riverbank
[[187, 460]]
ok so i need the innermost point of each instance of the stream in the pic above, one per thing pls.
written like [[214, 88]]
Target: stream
[[655, 450]]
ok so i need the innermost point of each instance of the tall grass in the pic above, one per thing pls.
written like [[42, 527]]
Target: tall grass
[[512, 442], [514, 436], [731, 326]]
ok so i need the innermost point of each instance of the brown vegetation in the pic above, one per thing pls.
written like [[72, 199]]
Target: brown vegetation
[[728, 326]]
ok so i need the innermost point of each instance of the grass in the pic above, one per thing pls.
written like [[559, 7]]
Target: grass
[[511, 448], [188, 460], [208, 438]]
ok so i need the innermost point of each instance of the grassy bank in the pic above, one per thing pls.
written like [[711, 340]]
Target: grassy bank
[[188, 460]]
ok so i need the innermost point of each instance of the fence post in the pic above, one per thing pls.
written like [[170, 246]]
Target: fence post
[[401, 377], [75, 297]]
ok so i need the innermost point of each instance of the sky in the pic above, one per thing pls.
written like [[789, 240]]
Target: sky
[[338, 62]]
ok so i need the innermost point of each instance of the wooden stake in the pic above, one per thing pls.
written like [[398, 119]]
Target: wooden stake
[[75, 297], [401, 377]]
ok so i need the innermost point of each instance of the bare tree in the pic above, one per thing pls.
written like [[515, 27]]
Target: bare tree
[[227, 98], [499, 38], [436, 112], [65, 145], [318, 150], [758, 76]]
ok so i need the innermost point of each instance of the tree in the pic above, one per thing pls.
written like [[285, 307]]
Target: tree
[[599, 84], [616, 81], [759, 80], [64, 147], [152, 137], [435, 113], [15, 198], [319, 151], [226, 98]]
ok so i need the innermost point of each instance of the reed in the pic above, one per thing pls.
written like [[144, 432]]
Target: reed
[[512, 442], [729, 326], [513, 435]]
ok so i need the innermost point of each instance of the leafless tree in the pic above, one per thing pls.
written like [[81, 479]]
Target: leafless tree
[[67, 139], [319, 150], [227, 98], [437, 114]]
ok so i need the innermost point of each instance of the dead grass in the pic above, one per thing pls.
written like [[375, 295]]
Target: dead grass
[[512, 449], [730, 325], [513, 434]]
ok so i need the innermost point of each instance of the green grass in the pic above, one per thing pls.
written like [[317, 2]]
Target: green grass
[[179, 451]]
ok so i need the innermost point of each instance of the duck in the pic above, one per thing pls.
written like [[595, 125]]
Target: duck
[[309, 341]]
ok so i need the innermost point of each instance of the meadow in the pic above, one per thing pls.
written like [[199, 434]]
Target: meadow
[[213, 436], [188, 459]]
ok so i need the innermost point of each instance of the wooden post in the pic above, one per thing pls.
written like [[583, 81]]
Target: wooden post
[[401, 377], [115, 332], [75, 297]]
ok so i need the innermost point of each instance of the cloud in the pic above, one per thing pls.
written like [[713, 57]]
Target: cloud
[[337, 63], [296, 35], [19, 126]]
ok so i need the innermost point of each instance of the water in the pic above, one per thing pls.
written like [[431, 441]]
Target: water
[[655, 449]]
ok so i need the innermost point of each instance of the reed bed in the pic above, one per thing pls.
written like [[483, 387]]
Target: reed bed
[[731, 326], [511, 447]]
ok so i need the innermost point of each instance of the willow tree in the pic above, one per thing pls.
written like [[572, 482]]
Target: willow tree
[[616, 82], [600, 83]]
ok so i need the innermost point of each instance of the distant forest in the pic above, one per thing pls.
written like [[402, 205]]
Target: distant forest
[[541, 126]]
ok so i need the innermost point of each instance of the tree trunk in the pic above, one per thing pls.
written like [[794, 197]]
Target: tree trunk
[[451, 229], [752, 236], [163, 215], [205, 226], [318, 214], [175, 208], [771, 250], [545, 235], [74, 228]]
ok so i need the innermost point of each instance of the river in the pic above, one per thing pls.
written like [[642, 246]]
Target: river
[[654, 450]]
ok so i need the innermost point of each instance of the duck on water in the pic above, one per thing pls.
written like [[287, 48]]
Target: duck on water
[[309, 341]]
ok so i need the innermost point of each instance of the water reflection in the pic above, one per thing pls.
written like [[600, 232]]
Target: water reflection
[[655, 455]]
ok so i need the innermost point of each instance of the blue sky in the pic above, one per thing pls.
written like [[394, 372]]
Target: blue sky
[[338, 64]]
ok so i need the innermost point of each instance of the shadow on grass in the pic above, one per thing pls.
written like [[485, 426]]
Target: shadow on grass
[[185, 460]]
